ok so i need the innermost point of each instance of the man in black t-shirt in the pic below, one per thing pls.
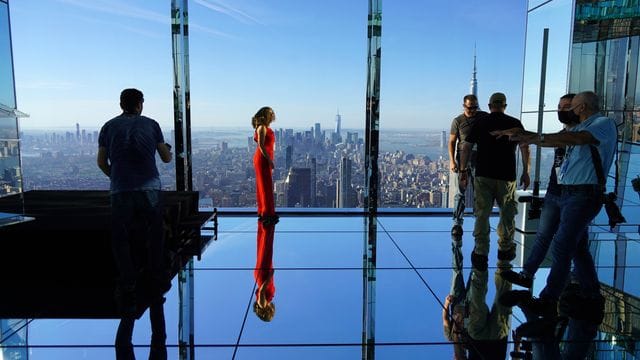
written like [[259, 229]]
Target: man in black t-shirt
[[495, 180]]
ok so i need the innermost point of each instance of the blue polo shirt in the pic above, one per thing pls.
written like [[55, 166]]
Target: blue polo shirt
[[577, 167]]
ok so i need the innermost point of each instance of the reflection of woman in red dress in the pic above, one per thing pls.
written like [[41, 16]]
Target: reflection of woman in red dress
[[264, 307], [263, 163]]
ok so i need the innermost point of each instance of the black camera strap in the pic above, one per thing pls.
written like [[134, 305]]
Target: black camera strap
[[597, 164]]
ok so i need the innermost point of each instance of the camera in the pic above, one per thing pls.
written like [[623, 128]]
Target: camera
[[613, 211]]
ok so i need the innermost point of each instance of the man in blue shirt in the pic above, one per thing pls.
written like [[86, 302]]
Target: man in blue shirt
[[580, 199], [126, 154]]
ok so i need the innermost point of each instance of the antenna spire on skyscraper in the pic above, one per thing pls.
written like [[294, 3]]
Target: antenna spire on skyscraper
[[474, 81]]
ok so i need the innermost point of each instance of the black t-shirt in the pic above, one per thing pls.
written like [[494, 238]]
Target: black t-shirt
[[553, 186], [496, 158]]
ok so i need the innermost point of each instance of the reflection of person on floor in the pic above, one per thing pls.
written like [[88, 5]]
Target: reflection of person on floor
[[264, 307], [263, 163], [484, 332]]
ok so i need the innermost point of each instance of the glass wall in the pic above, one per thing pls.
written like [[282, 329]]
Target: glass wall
[[307, 60], [10, 172], [432, 55], [604, 58], [552, 16]]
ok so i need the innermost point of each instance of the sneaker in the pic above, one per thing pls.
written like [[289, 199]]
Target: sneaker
[[456, 231], [515, 297], [539, 328], [517, 278]]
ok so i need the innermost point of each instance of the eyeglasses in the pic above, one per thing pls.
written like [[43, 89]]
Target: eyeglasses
[[471, 107]]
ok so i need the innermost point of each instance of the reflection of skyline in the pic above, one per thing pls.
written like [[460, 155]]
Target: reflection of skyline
[[264, 307]]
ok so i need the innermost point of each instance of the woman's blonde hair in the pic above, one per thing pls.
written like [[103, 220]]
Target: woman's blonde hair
[[266, 313], [262, 117]]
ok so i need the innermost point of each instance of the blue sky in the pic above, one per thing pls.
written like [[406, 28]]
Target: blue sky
[[304, 58]]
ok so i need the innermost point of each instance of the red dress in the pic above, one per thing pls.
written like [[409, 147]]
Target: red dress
[[263, 273], [264, 181]]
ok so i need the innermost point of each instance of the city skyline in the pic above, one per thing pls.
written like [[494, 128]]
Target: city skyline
[[73, 57]]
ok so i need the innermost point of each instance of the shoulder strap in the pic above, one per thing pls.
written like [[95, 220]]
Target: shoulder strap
[[597, 164]]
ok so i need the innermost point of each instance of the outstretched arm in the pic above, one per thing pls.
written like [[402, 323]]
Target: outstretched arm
[[547, 140]]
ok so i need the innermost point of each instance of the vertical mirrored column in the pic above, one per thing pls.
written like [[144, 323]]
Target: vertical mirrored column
[[372, 131], [184, 182]]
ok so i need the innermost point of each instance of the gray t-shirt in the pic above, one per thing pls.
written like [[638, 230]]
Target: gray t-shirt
[[131, 142], [461, 127]]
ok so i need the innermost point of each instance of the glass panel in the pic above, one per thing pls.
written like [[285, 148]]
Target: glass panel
[[8, 128], [422, 93], [553, 16], [7, 93], [10, 178], [294, 63]]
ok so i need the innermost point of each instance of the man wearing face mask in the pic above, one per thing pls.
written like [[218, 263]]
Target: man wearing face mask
[[579, 203], [550, 215]]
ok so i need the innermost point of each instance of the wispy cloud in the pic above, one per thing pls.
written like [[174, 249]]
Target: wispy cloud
[[124, 10], [226, 9], [119, 8], [47, 85]]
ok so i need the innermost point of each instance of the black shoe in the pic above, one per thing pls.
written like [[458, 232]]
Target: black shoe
[[539, 328], [545, 308], [507, 255], [515, 297], [479, 262], [517, 278], [270, 219], [579, 307]]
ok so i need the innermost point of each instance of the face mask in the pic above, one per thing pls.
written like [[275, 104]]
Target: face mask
[[568, 117]]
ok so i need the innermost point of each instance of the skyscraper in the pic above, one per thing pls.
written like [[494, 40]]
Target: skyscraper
[[298, 186], [343, 188], [338, 123]]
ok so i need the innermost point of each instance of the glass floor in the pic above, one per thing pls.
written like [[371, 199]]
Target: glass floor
[[318, 297]]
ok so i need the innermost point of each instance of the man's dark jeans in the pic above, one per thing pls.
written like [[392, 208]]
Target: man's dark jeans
[[138, 229], [137, 226], [578, 207]]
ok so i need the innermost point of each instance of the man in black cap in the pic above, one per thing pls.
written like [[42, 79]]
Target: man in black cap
[[495, 180]]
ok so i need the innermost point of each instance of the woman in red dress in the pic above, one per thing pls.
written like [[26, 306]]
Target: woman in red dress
[[263, 163]]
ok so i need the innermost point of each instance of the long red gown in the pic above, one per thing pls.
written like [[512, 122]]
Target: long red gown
[[263, 273], [264, 181]]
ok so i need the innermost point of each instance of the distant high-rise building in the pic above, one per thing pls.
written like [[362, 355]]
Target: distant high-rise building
[[298, 191], [288, 162], [314, 191], [443, 139], [343, 188], [77, 133], [474, 81], [338, 123], [317, 132]]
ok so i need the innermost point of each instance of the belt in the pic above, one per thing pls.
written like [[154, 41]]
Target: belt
[[581, 187]]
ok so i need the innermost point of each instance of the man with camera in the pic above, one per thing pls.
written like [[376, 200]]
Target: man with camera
[[581, 197]]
